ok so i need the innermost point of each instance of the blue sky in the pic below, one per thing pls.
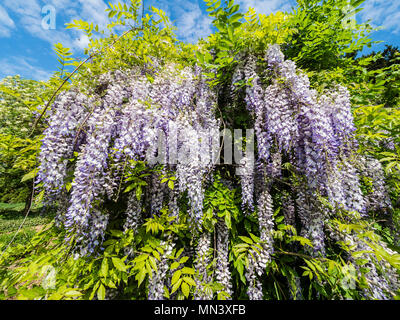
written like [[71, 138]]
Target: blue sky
[[26, 46]]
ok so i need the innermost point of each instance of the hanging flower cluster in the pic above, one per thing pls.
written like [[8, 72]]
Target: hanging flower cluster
[[69, 110], [378, 199], [138, 117], [316, 133], [133, 213], [257, 261], [166, 115], [157, 282], [202, 261], [222, 272], [382, 278]]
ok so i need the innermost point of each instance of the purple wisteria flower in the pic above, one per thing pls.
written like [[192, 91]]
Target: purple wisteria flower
[[68, 113], [222, 272]]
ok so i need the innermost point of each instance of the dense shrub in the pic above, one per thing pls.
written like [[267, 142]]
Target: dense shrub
[[294, 217]]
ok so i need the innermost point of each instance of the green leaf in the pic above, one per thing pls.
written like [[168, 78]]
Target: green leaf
[[227, 219], [176, 286], [130, 188], [235, 18], [179, 253], [255, 238], [187, 270], [230, 33], [55, 296], [117, 233], [246, 239], [104, 268], [241, 245], [200, 57], [73, 293], [176, 276], [68, 186], [185, 289], [29, 175], [166, 292], [156, 255], [189, 281], [183, 259], [119, 264], [101, 293], [141, 276], [139, 192], [94, 290], [153, 263]]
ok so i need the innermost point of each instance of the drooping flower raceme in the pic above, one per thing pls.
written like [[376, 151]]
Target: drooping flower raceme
[[266, 225], [202, 262], [68, 113], [166, 114], [88, 186], [133, 213], [222, 272], [128, 122], [378, 199], [257, 261], [157, 282]]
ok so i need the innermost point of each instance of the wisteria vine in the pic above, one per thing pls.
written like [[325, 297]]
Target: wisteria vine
[[168, 115]]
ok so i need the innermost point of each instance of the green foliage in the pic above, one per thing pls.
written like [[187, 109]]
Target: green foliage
[[237, 32], [12, 217], [21, 101], [324, 39], [379, 136], [220, 203], [65, 59], [19, 98], [17, 158], [143, 39], [387, 67], [94, 279], [314, 35]]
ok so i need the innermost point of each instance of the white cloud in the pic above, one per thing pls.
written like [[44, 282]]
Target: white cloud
[[23, 7], [392, 22], [29, 16], [87, 10], [23, 66], [266, 6], [191, 22], [81, 42], [382, 13], [94, 11], [6, 23]]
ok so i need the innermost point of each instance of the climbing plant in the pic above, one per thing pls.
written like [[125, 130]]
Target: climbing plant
[[220, 170]]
